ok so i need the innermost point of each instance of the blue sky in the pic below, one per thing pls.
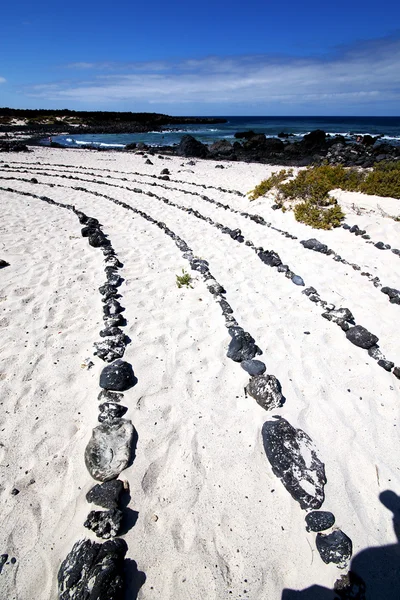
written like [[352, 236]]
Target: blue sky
[[210, 58]]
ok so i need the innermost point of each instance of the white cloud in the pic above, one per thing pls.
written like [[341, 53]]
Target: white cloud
[[365, 74], [2, 80]]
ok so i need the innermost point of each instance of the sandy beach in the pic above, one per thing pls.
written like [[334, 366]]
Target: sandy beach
[[206, 517]]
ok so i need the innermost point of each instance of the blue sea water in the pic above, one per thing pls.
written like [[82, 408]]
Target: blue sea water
[[350, 127]]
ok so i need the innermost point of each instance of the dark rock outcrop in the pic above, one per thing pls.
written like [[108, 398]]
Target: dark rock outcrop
[[221, 148], [315, 138], [190, 147], [246, 135]]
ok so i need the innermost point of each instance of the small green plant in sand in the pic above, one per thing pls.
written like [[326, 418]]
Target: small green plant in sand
[[311, 186], [184, 280]]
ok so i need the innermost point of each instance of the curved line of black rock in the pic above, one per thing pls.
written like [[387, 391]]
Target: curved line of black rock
[[363, 234], [91, 568], [287, 449], [343, 317], [69, 167], [311, 244]]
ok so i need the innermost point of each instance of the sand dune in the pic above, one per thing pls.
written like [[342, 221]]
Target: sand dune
[[213, 520]]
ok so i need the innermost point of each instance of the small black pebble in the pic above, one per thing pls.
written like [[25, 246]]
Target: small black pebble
[[14, 492]]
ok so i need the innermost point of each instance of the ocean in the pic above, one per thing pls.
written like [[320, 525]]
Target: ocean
[[350, 127]]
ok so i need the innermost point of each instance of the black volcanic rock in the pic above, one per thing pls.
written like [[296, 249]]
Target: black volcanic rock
[[315, 138], [270, 258], [335, 547], [313, 244], [242, 345], [93, 571], [118, 376], [245, 134], [359, 336], [319, 520], [221, 148], [294, 461], [253, 367], [98, 239], [266, 390], [106, 494], [190, 147], [104, 523], [109, 412]]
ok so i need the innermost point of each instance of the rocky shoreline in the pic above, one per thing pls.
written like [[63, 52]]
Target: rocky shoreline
[[314, 149]]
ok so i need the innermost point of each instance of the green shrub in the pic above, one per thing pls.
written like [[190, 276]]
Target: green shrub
[[317, 216], [267, 184], [312, 187], [383, 180], [315, 183], [184, 280]]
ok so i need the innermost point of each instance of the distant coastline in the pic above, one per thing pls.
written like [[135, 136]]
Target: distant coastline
[[52, 122], [291, 141]]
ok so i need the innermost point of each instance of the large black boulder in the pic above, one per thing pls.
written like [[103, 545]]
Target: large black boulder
[[294, 461], [190, 147], [118, 376], [93, 571], [263, 144], [246, 135], [315, 138], [221, 148]]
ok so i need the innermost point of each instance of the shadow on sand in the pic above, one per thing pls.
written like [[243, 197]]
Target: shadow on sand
[[374, 573]]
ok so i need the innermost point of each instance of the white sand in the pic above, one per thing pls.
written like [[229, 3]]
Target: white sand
[[213, 519]]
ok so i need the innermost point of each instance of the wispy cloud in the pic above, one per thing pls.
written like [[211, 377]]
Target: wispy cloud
[[2, 80], [365, 74]]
